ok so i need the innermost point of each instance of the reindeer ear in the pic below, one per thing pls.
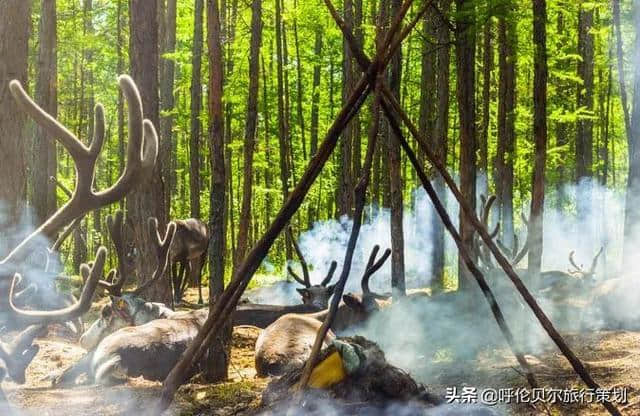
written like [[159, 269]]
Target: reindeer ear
[[352, 301], [303, 292]]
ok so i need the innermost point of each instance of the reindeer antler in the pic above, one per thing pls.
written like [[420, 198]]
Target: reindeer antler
[[163, 246], [142, 152], [329, 276], [573, 262], [306, 282], [594, 262], [372, 267], [91, 276], [116, 278]]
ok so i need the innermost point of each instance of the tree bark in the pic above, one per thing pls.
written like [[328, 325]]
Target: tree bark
[[44, 150], [315, 97], [15, 18], [218, 361], [584, 127], [147, 200], [196, 106], [465, 88], [427, 121], [540, 135], [505, 154], [250, 128], [440, 133], [487, 67], [168, 101], [398, 286], [345, 187]]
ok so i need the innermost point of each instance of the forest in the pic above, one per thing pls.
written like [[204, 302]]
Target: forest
[[243, 169]]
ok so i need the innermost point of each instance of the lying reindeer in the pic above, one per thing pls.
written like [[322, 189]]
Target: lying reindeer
[[128, 309], [287, 342], [149, 350]]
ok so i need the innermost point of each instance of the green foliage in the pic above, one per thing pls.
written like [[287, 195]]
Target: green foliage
[[81, 53]]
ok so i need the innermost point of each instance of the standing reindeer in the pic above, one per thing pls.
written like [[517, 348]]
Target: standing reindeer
[[189, 252], [287, 342], [142, 151]]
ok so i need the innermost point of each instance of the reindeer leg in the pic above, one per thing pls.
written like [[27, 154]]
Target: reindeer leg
[[199, 277], [187, 278], [69, 376], [181, 282]]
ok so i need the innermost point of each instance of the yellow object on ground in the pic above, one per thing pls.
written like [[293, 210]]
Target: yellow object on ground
[[329, 372]]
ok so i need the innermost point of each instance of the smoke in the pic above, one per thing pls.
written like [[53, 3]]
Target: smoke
[[432, 336], [40, 267], [322, 406]]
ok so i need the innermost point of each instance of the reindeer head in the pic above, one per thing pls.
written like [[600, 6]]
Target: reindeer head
[[587, 276], [118, 313], [362, 306], [129, 309], [317, 295]]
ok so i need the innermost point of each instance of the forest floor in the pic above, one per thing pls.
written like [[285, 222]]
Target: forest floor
[[613, 359]]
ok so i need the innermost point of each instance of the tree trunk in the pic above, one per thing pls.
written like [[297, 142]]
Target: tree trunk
[[147, 200], [315, 98], [584, 127], [440, 133], [218, 360], [487, 66], [44, 163], [250, 128], [345, 187], [632, 216], [505, 154], [15, 18], [465, 88], [283, 123], [120, 69], [196, 106], [395, 179], [427, 120], [168, 100], [540, 135], [299, 92]]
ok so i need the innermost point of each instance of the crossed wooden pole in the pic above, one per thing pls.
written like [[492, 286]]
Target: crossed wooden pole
[[370, 81]]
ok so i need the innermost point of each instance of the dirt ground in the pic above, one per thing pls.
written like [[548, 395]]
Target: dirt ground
[[613, 359]]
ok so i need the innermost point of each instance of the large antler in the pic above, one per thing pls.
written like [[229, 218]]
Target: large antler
[[579, 269], [90, 275], [329, 276], [142, 152], [372, 267], [306, 282], [163, 246], [116, 278]]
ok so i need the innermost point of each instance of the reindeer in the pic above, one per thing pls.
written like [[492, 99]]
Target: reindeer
[[128, 309], [149, 350], [317, 295], [189, 252], [142, 151], [287, 342]]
